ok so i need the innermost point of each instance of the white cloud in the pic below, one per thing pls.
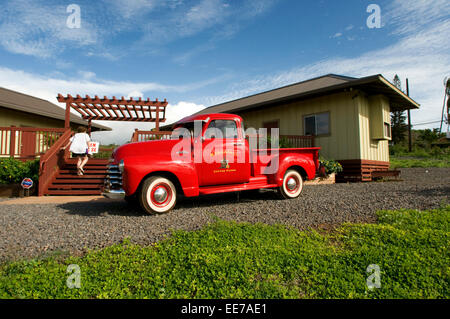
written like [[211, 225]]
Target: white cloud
[[48, 88], [408, 16], [220, 16], [122, 132], [39, 29], [175, 112], [88, 75], [336, 35], [29, 28], [422, 56], [184, 57], [135, 95], [132, 8], [350, 27], [187, 22]]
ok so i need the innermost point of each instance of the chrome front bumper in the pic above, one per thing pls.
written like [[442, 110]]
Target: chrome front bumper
[[113, 183], [114, 194]]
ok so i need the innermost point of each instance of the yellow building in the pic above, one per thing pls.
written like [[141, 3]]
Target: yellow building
[[348, 117], [20, 117]]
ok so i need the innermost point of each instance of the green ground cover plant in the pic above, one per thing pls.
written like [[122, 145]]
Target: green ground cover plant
[[241, 260]]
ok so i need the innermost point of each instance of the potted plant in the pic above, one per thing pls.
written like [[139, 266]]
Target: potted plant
[[328, 170]]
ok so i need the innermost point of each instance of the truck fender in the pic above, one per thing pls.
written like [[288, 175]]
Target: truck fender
[[306, 164], [185, 174]]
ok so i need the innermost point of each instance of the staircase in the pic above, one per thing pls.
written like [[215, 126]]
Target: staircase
[[67, 182]]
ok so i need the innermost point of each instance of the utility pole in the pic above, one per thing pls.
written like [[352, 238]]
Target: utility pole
[[409, 120]]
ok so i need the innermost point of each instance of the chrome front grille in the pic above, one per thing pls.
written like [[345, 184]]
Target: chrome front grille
[[113, 179]]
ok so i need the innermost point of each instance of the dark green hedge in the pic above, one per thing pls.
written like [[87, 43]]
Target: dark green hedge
[[14, 171]]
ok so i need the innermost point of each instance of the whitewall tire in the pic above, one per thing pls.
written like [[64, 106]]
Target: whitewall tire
[[158, 195], [292, 185]]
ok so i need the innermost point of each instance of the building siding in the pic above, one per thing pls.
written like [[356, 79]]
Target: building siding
[[343, 141], [373, 148], [15, 118]]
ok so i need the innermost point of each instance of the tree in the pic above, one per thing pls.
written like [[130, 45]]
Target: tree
[[398, 119], [429, 136], [397, 82]]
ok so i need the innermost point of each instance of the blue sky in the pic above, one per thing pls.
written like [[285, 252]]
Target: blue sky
[[203, 52]]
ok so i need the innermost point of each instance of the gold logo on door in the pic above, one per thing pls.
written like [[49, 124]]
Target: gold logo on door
[[224, 164]]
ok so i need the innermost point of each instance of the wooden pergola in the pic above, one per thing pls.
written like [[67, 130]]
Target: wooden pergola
[[127, 110]]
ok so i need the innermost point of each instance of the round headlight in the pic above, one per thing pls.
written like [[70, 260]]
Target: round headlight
[[121, 166]]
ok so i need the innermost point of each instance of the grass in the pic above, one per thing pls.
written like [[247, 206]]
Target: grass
[[405, 162], [419, 157], [240, 260]]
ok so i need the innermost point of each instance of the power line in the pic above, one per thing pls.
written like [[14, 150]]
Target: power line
[[425, 123]]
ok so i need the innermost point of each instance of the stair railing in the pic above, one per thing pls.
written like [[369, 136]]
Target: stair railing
[[51, 161]]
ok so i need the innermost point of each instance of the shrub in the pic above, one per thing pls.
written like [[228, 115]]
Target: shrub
[[13, 171]]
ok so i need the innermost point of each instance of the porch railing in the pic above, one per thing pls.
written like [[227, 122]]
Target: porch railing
[[51, 161], [294, 141], [141, 136], [297, 141], [27, 142]]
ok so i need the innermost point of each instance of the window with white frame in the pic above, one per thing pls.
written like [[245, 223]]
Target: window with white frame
[[317, 124], [387, 130]]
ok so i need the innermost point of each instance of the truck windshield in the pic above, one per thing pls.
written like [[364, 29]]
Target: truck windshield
[[185, 130]]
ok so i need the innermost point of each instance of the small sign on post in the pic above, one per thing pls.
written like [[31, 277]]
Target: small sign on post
[[27, 183], [93, 147]]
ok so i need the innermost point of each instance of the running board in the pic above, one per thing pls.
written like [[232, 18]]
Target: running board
[[257, 184]]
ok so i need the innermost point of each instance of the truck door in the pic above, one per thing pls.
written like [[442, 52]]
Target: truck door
[[225, 155]]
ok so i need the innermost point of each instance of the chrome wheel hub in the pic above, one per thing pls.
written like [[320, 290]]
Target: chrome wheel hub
[[160, 195], [291, 184]]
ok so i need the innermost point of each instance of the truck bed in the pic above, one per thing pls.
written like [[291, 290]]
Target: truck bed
[[265, 156]]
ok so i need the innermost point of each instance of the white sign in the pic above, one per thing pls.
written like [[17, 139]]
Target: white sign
[[93, 147]]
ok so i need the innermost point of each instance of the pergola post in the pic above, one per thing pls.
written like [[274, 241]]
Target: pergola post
[[89, 127], [67, 117], [157, 119]]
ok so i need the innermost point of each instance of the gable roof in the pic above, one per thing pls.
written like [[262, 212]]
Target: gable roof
[[327, 84], [26, 103]]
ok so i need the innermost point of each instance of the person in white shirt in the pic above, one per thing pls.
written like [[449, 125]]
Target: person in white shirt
[[79, 147]]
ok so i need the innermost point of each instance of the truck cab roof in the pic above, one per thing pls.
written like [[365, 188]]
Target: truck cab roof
[[207, 117]]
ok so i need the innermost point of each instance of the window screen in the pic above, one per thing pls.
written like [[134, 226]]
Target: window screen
[[387, 130], [317, 124], [310, 125], [323, 124]]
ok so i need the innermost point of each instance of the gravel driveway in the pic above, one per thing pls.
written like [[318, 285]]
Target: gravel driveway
[[36, 230]]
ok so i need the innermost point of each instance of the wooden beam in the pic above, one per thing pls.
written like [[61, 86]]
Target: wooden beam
[[67, 117], [12, 142], [89, 127], [157, 119], [114, 109]]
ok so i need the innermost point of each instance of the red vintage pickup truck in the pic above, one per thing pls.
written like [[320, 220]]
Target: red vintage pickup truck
[[207, 154]]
